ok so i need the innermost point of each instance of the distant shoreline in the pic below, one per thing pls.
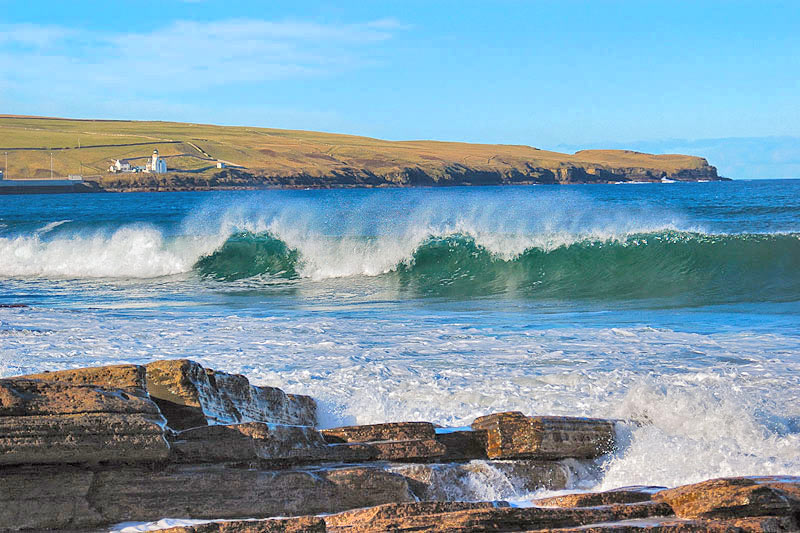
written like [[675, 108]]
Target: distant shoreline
[[90, 187], [110, 156]]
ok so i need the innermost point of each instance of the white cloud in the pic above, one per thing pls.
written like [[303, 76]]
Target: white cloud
[[185, 54]]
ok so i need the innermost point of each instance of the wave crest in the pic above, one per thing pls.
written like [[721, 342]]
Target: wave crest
[[451, 261]]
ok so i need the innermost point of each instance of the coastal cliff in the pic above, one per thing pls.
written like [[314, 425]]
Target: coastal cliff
[[200, 157], [409, 177]]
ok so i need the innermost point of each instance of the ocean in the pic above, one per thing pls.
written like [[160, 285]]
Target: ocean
[[675, 307]]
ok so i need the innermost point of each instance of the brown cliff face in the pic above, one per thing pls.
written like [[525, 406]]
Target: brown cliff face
[[455, 175]]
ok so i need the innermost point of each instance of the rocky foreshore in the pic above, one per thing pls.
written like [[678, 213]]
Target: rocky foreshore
[[81, 450]]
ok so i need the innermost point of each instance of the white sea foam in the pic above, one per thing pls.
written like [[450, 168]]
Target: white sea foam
[[708, 405], [129, 252], [164, 523]]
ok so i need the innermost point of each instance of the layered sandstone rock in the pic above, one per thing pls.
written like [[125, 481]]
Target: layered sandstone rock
[[46, 497], [130, 378], [62, 497], [766, 524], [302, 524], [633, 494], [87, 448], [53, 422], [735, 497], [190, 396], [463, 445], [382, 432], [213, 491], [513, 435], [398, 441], [442, 518], [256, 441]]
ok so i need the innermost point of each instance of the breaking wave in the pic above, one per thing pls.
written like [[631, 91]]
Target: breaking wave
[[694, 266], [662, 264]]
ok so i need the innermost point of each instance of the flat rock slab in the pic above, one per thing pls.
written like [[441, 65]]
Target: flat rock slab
[[90, 438], [53, 422], [399, 511], [394, 431], [395, 441], [513, 435], [632, 494], [190, 396], [459, 481], [215, 492], [30, 397], [46, 497], [77, 498], [422, 450], [735, 497], [302, 524], [425, 517], [766, 524], [126, 377], [269, 443]]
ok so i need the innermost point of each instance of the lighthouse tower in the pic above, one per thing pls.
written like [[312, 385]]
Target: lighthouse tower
[[157, 165]]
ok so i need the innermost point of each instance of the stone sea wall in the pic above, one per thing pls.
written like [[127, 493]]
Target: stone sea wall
[[83, 449]]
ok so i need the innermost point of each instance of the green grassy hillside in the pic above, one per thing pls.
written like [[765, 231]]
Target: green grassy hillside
[[272, 157]]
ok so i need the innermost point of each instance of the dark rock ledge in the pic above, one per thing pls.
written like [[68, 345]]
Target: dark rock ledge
[[83, 449]]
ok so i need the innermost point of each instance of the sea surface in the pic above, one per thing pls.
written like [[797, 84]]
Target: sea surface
[[675, 306]]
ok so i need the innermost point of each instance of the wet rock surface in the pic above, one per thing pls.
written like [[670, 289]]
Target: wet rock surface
[[305, 524], [463, 445], [53, 422], [213, 491], [514, 435], [382, 432], [190, 396], [427, 517], [83, 449], [621, 495], [126, 377], [248, 442], [735, 497]]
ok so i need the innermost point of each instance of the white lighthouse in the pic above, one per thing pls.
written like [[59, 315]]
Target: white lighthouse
[[156, 164]]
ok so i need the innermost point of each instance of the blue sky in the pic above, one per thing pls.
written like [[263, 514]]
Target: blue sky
[[553, 74]]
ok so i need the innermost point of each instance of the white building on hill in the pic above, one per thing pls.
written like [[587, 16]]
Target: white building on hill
[[156, 164], [120, 165]]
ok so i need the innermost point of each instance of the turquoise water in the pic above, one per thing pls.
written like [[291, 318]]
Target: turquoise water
[[671, 304]]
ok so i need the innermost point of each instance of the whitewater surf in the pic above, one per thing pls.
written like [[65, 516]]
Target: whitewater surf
[[673, 306]]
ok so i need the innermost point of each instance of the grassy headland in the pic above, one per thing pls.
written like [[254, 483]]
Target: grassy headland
[[264, 157]]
